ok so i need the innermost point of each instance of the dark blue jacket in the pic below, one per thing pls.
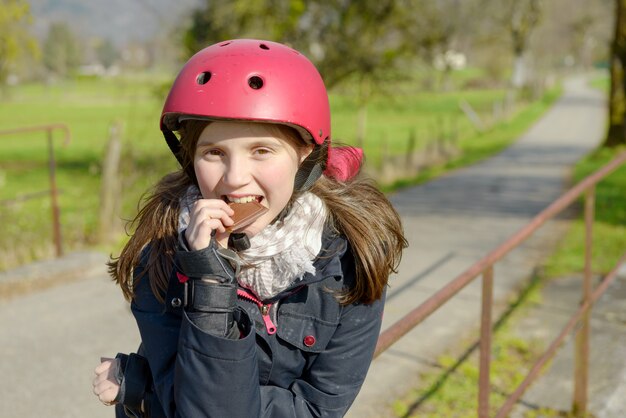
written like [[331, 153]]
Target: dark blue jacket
[[302, 354]]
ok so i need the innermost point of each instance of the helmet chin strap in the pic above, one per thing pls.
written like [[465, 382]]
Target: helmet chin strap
[[174, 144], [309, 171]]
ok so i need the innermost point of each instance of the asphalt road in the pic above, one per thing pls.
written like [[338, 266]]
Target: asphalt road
[[50, 342]]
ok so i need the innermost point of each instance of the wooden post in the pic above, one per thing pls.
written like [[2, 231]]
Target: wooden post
[[410, 152], [497, 111], [110, 187], [385, 164], [455, 131], [54, 201], [361, 125], [486, 334], [581, 365], [471, 114]]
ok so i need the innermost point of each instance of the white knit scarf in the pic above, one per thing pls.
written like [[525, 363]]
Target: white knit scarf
[[283, 251]]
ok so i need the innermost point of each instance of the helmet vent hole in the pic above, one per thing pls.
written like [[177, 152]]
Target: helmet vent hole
[[255, 82], [263, 46], [225, 43], [203, 78]]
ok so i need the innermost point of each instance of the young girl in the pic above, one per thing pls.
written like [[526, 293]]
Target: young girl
[[278, 318]]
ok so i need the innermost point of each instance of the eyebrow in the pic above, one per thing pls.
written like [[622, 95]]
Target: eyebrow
[[263, 141]]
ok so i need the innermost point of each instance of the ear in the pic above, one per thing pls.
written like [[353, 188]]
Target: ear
[[305, 151]]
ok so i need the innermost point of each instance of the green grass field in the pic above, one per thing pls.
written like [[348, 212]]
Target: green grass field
[[609, 230], [90, 107]]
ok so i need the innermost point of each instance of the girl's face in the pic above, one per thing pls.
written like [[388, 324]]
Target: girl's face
[[243, 161]]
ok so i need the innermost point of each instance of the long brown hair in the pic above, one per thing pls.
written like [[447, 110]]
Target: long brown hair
[[356, 208]]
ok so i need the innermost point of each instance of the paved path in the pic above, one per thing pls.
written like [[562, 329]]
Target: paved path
[[543, 321], [51, 340], [453, 221]]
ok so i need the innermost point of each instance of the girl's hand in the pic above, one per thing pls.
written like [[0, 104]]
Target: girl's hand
[[206, 216], [105, 385]]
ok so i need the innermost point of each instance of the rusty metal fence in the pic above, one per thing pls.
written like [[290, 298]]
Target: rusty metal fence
[[484, 267], [54, 192]]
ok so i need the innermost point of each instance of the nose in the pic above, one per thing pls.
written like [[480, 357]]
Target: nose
[[236, 172]]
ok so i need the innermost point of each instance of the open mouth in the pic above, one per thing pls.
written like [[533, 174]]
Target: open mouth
[[242, 199]]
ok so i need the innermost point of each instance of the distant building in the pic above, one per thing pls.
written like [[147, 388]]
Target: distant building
[[450, 60]]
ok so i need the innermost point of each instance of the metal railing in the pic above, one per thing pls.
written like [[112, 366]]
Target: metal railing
[[484, 267], [54, 203]]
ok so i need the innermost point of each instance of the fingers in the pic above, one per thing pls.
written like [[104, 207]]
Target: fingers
[[106, 392], [205, 209], [207, 215], [106, 364], [105, 385]]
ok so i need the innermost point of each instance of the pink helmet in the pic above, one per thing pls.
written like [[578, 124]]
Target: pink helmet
[[253, 80]]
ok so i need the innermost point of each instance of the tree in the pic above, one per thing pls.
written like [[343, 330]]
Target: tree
[[346, 39], [519, 18], [15, 40], [342, 37], [106, 52], [61, 51], [573, 34], [616, 134], [522, 18], [432, 30], [267, 19]]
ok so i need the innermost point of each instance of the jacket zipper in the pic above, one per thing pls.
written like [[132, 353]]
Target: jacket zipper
[[264, 308]]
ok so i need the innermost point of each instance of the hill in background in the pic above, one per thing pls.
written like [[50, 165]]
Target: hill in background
[[121, 21]]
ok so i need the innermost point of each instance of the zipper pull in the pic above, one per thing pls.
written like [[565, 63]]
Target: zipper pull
[[265, 310], [269, 325]]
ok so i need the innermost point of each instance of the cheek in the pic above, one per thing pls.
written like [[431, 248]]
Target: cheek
[[279, 180], [206, 176]]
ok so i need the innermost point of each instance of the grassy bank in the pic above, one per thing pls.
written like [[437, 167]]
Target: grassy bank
[[609, 230], [477, 146]]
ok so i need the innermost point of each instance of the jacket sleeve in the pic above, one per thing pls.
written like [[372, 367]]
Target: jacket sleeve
[[197, 374]]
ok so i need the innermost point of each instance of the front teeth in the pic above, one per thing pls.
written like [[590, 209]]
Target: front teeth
[[242, 199]]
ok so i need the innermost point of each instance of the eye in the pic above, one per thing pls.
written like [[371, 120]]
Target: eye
[[211, 152], [262, 151]]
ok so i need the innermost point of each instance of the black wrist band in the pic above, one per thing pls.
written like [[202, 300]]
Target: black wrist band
[[196, 264], [210, 297]]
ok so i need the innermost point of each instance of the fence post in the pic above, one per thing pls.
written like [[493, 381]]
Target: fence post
[[581, 366], [410, 153], [385, 164], [485, 344], [472, 115], [54, 201], [110, 188]]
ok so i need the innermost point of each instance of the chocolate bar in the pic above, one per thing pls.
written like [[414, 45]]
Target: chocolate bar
[[245, 214]]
